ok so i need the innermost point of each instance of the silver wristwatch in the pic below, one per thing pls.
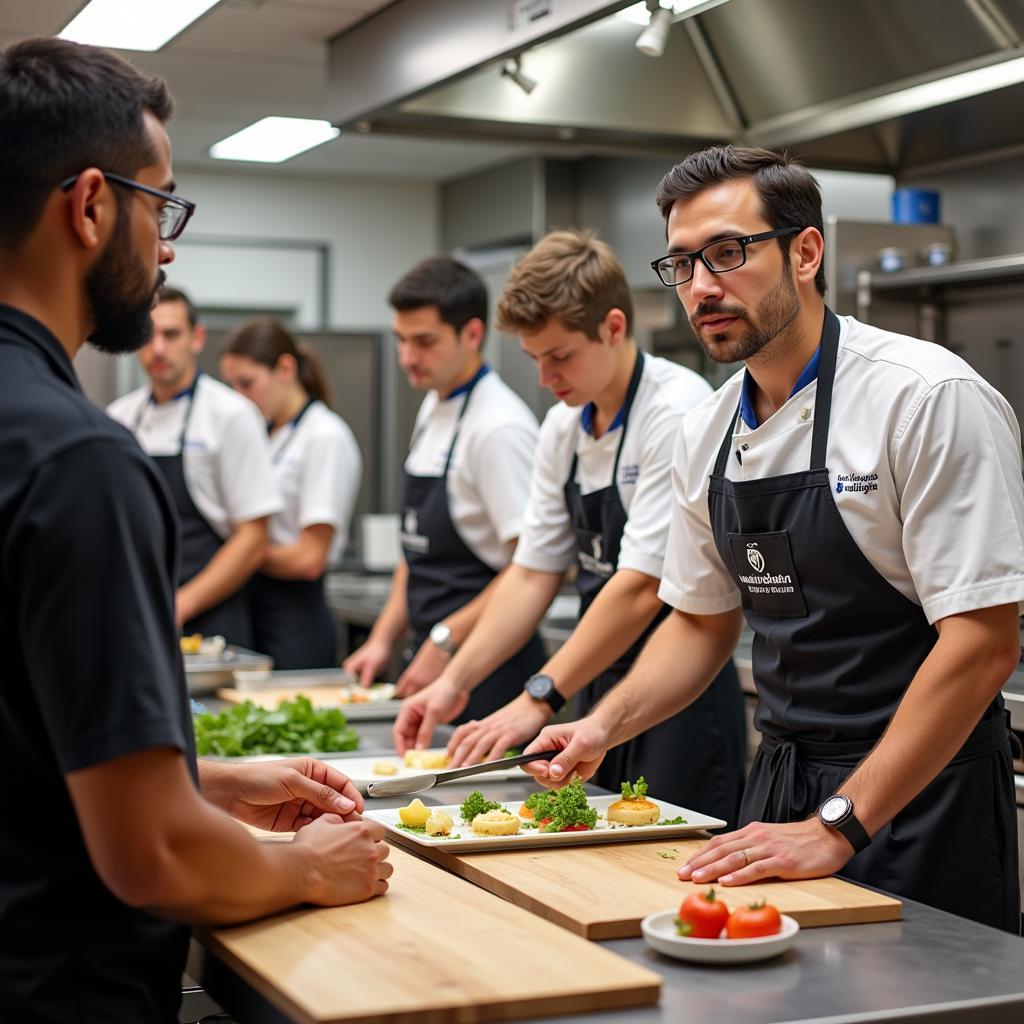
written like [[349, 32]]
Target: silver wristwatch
[[441, 636]]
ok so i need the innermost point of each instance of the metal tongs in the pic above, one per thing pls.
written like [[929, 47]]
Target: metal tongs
[[419, 783]]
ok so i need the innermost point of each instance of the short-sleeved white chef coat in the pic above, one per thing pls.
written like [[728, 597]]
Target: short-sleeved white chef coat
[[489, 476], [226, 455], [548, 542], [317, 469], [924, 461]]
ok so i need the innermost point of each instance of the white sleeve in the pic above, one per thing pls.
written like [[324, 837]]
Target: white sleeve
[[958, 473], [645, 536], [694, 578], [548, 541], [502, 461], [245, 475], [329, 479]]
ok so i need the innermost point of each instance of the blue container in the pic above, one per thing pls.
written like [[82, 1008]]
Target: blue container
[[915, 206]]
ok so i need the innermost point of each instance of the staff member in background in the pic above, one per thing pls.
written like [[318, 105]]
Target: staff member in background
[[600, 499], [120, 837], [211, 448], [860, 495], [463, 490], [317, 469]]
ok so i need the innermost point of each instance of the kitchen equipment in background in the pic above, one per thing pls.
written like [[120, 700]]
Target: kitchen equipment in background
[[205, 672], [915, 206], [379, 542], [893, 258], [938, 254]]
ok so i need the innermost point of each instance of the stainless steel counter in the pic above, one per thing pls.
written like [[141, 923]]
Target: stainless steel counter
[[930, 966]]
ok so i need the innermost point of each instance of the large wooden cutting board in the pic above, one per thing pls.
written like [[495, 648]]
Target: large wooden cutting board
[[318, 696], [604, 892], [433, 950]]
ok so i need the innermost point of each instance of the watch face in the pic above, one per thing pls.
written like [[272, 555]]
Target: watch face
[[539, 686], [440, 634], [834, 809]]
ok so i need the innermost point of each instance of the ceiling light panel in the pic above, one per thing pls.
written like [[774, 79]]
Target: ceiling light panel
[[134, 24], [274, 139]]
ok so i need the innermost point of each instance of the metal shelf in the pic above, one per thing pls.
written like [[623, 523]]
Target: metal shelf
[[916, 282]]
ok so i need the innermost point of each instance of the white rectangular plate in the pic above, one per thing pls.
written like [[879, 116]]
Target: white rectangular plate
[[531, 837], [360, 770]]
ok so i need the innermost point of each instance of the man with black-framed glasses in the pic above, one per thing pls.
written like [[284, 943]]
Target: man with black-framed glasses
[[857, 497], [121, 835]]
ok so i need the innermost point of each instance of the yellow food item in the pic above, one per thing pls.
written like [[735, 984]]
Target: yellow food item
[[496, 823], [415, 814], [191, 644], [439, 824], [637, 811], [426, 759], [385, 768]]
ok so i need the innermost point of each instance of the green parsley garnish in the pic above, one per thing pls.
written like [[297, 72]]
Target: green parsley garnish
[[673, 821], [636, 791], [541, 803], [668, 854], [475, 804], [570, 808]]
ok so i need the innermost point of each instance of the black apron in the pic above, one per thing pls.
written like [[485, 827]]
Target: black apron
[[199, 543], [444, 575], [290, 619], [694, 759], [835, 648]]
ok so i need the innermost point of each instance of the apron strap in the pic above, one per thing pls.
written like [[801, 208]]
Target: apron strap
[[188, 412], [295, 426], [634, 386], [462, 412]]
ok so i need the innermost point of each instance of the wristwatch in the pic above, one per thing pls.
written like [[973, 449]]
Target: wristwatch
[[441, 636], [837, 813], [542, 687]]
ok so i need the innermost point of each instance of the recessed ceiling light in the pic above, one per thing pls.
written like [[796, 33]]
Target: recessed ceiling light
[[274, 139], [133, 24]]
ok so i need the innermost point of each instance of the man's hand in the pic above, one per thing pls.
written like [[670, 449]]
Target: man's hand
[[798, 849], [582, 744], [430, 661], [285, 796], [368, 662], [347, 860], [421, 714], [520, 720]]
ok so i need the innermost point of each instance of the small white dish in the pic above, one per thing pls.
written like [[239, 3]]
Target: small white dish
[[659, 931]]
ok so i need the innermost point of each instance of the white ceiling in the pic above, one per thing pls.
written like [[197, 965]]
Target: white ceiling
[[250, 58]]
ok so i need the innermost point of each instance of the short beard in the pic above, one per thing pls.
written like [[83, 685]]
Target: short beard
[[119, 296], [778, 310]]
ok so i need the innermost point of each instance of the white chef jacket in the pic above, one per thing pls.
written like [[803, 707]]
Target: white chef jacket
[[548, 542], [924, 461], [226, 456], [317, 469], [489, 476]]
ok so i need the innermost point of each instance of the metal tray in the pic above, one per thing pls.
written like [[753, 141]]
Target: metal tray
[[205, 672]]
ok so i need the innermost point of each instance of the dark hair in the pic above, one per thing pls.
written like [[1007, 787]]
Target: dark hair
[[170, 294], [264, 339], [569, 276], [457, 291], [789, 194], [65, 107]]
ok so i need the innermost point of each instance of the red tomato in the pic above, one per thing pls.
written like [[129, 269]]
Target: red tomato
[[753, 921], [545, 821], [702, 916], [575, 828]]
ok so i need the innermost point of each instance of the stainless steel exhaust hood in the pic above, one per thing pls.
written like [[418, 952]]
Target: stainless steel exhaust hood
[[890, 85]]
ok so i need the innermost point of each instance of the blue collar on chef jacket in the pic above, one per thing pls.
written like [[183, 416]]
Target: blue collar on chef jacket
[[463, 388], [810, 372]]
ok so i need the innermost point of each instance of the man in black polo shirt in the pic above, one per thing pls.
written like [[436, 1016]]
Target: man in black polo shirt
[[112, 832]]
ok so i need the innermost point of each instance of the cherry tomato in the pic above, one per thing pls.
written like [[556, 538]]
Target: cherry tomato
[[753, 921], [575, 828], [702, 916]]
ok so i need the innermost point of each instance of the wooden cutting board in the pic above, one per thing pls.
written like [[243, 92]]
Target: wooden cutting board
[[603, 892], [433, 950], [319, 696]]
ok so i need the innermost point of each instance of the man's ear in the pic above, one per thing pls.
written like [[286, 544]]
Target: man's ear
[[473, 332], [92, 209], [806, 253], [614, 326], [198, 338]]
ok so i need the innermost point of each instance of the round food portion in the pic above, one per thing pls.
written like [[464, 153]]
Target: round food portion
[[634, 812], [385, 768], [439, 823], [496, 823], [426, 759]]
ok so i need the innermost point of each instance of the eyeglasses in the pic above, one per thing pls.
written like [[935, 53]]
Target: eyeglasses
[[173, 215], [719, 257]]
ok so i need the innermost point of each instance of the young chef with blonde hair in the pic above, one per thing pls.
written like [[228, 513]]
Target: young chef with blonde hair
[[317, 469], [600, 500], [857, 496]]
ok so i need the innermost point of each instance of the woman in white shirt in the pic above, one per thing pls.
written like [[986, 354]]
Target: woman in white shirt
[[317, 468]]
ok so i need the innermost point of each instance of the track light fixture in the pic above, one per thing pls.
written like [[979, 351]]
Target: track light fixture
[[653, 39], [513, 69]]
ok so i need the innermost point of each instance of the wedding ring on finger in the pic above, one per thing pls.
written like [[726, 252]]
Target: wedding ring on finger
[[745, 856]]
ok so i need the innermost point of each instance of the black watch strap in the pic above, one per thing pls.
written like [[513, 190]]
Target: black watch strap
[[542, 687], [854, 832]]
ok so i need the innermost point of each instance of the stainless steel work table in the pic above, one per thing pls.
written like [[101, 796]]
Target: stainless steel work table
[[930, 966]]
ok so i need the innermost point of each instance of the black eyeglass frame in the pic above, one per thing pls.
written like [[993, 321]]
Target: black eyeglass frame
[[168, 197], [698, 254]]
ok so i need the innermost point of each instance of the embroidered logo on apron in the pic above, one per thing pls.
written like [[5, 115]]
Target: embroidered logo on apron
[[410, 536], [594, 561], [766, 574]]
